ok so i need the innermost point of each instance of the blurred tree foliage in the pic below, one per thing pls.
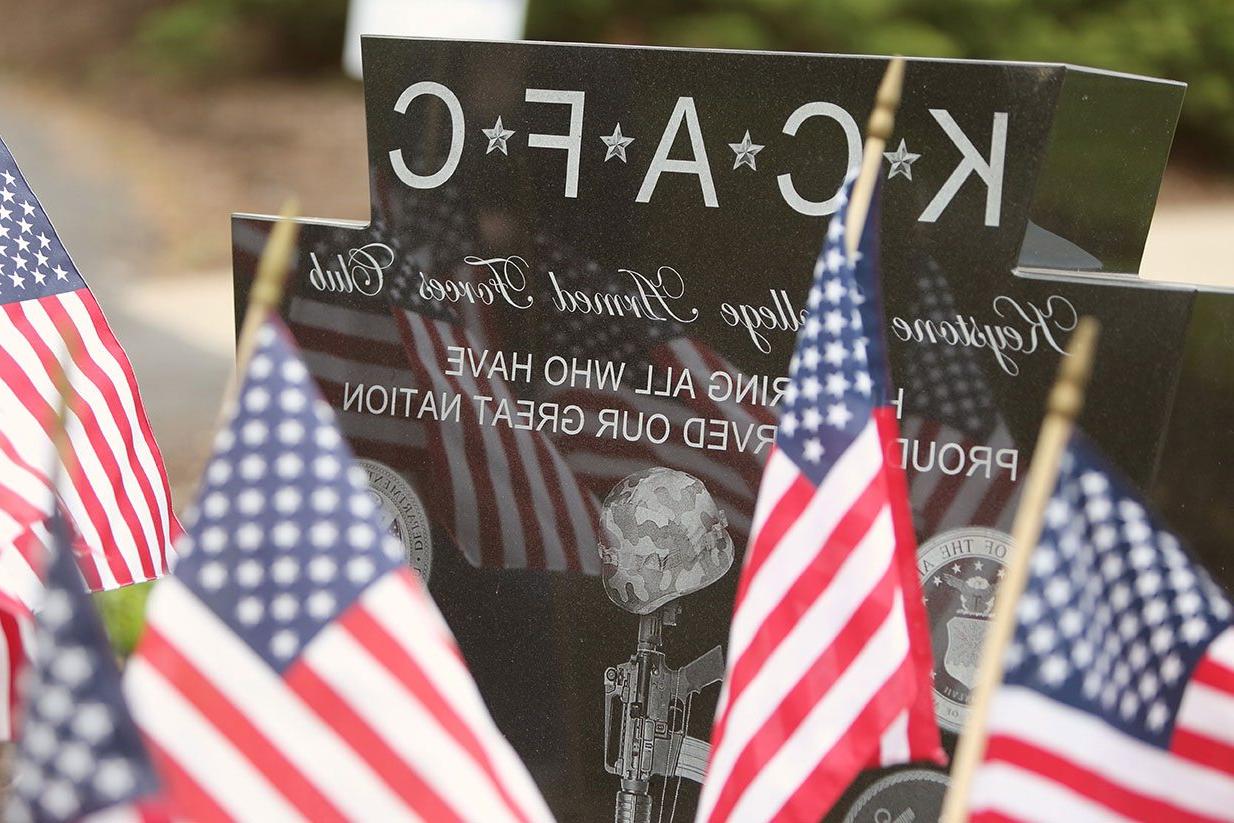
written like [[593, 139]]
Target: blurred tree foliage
[[1189, 40], [236, 37], [123, 612]]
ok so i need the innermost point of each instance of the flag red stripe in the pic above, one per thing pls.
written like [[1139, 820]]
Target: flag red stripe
[[394, 771], [1212, 673], [478, 460], [13, 376], [443, 493], [1203, 749], [994, 502], [1117, 797], [10, 628], [192, 801], [117, 352], [93, 372], [856, 749], [93, 430], [805, 695], [167, 523], [807, 588], [784, 513], [378, 642], [230, 722], [924, 740]]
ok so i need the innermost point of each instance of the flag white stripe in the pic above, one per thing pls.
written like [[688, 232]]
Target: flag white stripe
[[833, 499], [396, 431], [386, 601], [828, 722], [1027, 715], [580, 503], [597, 467], [466, 524], [34, 447], [1027, 796], [976, 484], [197, 746], [1207, 711], [115, 372], [894, 747], [332, 368], [687, 353], [721, 478], [343, 320], [496, 461], [812, 633], [257, 692], [374, 694], [543, 507], [778, 477], [18, 579], [125, 483]]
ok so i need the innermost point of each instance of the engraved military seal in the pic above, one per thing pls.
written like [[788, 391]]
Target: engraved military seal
[[960, 572], [401, 511], [908, 796]]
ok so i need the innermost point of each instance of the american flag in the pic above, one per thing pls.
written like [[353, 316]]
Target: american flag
[[511, 499], [1117, 701], [116, 492], [950, 409], [294, 667], [823, 677], [639, 344], [80, 756], [26, 504]]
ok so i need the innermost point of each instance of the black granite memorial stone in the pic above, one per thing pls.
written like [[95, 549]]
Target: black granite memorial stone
[[577, 297]]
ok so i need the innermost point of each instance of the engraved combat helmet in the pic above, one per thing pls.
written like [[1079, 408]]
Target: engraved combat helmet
[[661, 536]]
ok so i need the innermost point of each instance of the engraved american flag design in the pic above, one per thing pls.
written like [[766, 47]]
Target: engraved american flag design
[[115, 492], [1117, 702], [827, 671], [511, 499], [80, 756], [950, 410], [294, 667], [621, 352]]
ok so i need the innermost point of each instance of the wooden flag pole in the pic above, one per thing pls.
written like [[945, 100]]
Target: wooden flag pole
[[265, 295], [878, 132], [1064, 405]]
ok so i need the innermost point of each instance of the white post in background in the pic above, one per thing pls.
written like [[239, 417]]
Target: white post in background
[[463, 19]]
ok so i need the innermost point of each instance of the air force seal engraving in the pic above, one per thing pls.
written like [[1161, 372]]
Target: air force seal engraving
[[960, 572], [402, 513], [908, 796]]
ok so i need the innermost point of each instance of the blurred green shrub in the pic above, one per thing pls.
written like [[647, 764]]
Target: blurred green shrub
[[1191, 40], [124, 614], [201, 38]]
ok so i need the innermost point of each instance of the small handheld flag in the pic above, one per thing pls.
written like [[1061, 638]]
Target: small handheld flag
[[294, 667], [115, 493], [1117, 700], [825, 674], [79, 756]]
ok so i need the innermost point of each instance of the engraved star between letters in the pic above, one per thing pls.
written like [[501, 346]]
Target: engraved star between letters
[[901, 161], [497, 137], [745, 151], [616, 143]]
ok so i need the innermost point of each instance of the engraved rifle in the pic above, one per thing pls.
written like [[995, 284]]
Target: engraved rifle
[[647, 714]]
